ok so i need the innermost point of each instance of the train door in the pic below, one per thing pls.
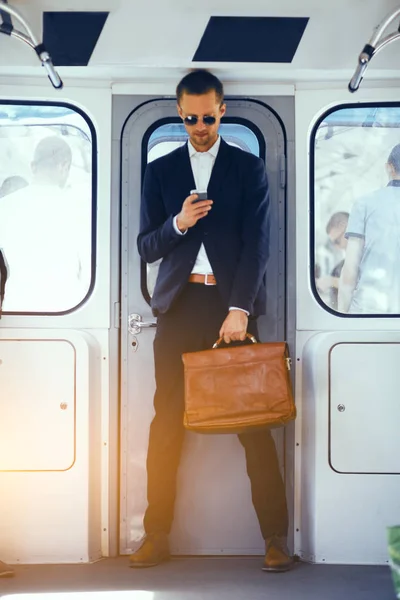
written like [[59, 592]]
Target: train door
[[348, 333], [214, 512], [54, 331]]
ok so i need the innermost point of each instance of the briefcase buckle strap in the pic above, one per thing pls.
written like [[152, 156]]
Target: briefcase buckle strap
[[248, 336]]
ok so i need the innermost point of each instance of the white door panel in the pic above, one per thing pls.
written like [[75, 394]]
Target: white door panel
[[37, 405], [364, 408]]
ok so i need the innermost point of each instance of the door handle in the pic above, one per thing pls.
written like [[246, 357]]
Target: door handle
[[135, 323]]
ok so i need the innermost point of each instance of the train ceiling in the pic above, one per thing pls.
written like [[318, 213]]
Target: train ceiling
[[257, 40]]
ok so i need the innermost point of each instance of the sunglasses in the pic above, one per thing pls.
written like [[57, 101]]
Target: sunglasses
[[193, 120]]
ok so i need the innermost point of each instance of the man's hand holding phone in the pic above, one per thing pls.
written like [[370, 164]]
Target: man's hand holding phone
[[195, 207]]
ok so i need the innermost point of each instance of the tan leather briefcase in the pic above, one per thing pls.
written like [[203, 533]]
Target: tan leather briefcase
[[238, 389]]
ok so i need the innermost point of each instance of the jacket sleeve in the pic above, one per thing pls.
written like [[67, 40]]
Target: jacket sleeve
[[157, 235], [255, 238]]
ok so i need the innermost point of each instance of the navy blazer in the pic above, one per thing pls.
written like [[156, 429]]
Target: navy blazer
[[235, 232]]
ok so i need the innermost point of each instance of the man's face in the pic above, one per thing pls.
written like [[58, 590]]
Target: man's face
[[336, 235], [201, 135]]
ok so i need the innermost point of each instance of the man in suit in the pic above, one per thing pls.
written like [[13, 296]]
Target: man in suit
[[210, 283]]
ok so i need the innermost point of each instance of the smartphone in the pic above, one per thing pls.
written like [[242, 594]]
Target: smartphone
[[201, 195]]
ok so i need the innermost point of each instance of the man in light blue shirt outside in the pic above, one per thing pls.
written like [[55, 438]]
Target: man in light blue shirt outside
[[370, 279]]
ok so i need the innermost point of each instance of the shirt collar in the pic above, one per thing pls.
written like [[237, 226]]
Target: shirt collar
[[213, 150]]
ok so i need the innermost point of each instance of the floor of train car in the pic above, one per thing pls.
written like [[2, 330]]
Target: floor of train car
[[197, 579]]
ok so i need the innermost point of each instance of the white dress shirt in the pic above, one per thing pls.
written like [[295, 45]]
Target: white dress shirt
[[202, 164]]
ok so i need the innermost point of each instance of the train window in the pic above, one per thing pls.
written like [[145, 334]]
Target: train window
[[355, 157], [47, 189]]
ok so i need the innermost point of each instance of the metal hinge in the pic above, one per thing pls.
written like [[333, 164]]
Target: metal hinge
[[282, 171]]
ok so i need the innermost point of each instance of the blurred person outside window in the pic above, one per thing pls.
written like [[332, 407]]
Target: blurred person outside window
[[370, 278], [329, 284], [12, 184], [41, 233]]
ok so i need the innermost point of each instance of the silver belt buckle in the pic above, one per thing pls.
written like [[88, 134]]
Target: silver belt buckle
[[206, 279]]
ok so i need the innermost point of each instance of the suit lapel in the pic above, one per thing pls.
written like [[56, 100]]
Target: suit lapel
[[221, 166], [184, 170]]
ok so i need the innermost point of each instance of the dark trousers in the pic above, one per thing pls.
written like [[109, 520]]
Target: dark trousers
[[193, 324]]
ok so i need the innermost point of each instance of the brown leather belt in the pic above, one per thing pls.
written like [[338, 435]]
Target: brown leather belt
[[208, 279]]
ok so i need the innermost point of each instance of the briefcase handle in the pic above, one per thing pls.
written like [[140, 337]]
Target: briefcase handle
[[248, 335]]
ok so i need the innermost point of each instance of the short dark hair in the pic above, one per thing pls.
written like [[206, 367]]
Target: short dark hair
[[200, 82], [394, 158], [336, 220]]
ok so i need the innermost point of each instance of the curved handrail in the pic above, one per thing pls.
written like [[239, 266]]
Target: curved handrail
[[382, 26], [372, 48], [32, 41]]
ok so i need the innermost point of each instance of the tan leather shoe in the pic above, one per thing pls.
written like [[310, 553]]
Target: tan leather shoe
[[277, 558], [152, 552], [5, 570]]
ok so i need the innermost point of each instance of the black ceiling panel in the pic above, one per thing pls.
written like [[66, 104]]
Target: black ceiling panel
[[70, 37], [251, 39]]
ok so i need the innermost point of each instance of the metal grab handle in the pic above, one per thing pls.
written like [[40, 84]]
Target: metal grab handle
[[135, 323], [52, 74], [358, 75]]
